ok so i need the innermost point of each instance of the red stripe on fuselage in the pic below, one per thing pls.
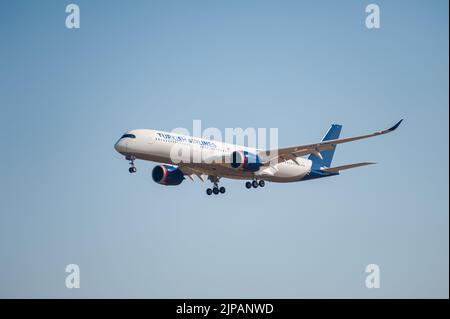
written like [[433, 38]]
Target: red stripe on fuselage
[[165, 172], [242, 165]]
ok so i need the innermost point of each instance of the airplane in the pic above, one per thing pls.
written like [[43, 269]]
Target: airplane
[[215, 160]]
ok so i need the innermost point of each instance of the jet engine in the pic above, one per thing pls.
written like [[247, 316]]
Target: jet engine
[[167, 175], [246, 161]]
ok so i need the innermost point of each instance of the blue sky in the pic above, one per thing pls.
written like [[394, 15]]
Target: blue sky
[[67, 197]]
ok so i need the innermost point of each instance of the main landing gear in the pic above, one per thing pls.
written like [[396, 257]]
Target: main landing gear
[[255, 184], [132, 168], [215, 190]]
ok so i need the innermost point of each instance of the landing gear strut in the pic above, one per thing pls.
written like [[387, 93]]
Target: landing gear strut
[[132, 168], [216, 189]]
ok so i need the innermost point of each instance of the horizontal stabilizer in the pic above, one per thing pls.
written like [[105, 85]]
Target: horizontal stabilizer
[[341, 168]]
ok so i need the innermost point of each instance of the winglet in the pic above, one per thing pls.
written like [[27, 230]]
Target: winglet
[[395, 126]]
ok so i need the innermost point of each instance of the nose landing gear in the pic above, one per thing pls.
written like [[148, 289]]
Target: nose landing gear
[[132, 169]]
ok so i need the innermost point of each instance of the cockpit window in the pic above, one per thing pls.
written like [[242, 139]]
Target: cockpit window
[[128, 135]]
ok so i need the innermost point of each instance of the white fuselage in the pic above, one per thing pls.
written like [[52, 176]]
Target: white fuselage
[[176, 149]]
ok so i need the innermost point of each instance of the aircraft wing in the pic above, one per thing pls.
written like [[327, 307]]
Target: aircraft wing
[[315, 149], [190, 172], [211, 168], [343, 167]]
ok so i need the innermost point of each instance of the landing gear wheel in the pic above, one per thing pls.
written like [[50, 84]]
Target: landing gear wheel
[[215, 190], [255, 184], [262, 183], [222, 190], [132, 168], [209, 191], [248, 185]]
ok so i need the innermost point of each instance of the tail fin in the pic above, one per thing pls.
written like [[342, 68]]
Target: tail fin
[[327, 156]]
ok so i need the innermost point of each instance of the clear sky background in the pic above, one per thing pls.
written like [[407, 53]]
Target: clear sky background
[[66, 96]]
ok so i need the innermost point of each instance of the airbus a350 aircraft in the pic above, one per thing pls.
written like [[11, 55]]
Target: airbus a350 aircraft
[[218, 160]]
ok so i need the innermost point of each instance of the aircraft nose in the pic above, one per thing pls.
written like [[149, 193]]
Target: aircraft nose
[[121, 146]]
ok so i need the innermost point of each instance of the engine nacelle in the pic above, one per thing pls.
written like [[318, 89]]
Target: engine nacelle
[[167, 175], [246, 161]]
